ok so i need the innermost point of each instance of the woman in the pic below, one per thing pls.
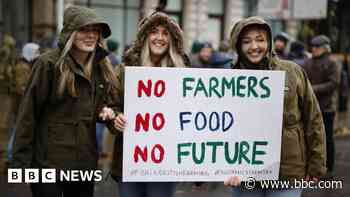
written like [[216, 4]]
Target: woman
[[68, 91], [251, 38], [159, 43]]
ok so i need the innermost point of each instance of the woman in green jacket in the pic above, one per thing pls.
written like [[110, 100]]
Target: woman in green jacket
[[71, 87], [303, 135]]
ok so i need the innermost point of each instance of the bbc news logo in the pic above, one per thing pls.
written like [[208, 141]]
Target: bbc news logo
[[33, 175]]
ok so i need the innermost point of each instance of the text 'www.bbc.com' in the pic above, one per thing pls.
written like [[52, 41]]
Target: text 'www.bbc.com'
[[31, 175], [251, 184]]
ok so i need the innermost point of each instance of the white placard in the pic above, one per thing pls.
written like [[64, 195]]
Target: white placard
[[187, 124]]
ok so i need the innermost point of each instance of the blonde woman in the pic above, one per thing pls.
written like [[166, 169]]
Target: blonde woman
[[159, 43], [70, 89]]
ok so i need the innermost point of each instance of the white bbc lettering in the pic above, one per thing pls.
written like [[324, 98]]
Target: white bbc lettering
[[31, 175], [48, 175], [14, 175], [80, 175], [98, 175]]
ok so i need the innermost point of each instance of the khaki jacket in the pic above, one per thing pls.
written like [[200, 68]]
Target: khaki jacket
[[303, 135]]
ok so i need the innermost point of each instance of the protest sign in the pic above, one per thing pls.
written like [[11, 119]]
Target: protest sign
[[186, 124]]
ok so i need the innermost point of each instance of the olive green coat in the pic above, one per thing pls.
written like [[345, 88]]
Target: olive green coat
[[54, 131], [303, 136]]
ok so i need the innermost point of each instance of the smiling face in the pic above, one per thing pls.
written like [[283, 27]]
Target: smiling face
[[254, 44], [87, 38], [158, 40]]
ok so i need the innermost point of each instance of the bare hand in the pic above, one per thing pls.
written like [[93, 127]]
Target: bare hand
[[233, 181], [314, 179], [107, 113], [120, 122]]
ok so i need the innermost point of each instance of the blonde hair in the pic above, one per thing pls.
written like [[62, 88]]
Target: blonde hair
[[67, 76], [171, 58]]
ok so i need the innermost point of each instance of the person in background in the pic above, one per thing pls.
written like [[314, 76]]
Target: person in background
[[251, 38], [202, 59], [196, 47], [113, 46], [21, 74], [159, 43], [297, 53], [281, 41], [222, 58], [324, 75], [8, 57], [71, 87]]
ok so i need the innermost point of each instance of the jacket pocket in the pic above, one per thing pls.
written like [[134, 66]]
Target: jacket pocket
[[292, 147], [61, 144]]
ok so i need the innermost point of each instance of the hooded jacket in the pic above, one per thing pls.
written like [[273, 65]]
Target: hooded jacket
[[133, 58], [55, 131], [303, 136]]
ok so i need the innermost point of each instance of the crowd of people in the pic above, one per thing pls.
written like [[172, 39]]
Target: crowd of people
[[82, 74]]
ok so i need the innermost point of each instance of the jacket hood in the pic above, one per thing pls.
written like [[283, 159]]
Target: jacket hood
[[9, 41], [238, 28], [132, 56], [76, 17]]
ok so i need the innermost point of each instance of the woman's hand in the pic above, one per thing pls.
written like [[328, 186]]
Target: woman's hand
[[314, 179], [233, 181], [120, 122], [107, 114]]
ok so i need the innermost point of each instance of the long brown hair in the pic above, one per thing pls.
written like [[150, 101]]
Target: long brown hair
[[67, 77]]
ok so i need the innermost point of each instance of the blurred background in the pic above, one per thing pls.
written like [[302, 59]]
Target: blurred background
[[203, 20]]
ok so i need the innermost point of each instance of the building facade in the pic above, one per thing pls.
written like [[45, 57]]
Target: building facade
[[37, 20], [203, 20]]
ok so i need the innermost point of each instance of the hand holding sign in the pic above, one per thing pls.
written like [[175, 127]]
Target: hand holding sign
[[107, 113], [120, 122]]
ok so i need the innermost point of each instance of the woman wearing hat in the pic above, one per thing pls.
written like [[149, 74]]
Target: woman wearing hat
[[70, 89], [159, 43]]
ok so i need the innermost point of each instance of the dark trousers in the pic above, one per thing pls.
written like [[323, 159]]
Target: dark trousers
[[66, 189], [146, 189], [328, 119]]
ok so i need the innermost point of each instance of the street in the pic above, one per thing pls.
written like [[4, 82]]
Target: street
[[109, 188]]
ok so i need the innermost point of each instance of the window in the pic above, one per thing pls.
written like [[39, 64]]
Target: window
[[15, 19], [215, 32], [174, 10]]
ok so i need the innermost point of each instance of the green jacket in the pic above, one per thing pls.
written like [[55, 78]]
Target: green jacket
[[7, 62], [303, 135], [132, 58], [54, 131]]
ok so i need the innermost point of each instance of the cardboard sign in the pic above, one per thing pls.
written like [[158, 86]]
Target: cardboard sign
[[187, 124]]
